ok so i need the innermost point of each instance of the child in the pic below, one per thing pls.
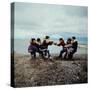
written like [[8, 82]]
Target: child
[[71, 47], [74, 43], [46, 42], [32, 49], [61, 43], [39, 44], [68, 47]]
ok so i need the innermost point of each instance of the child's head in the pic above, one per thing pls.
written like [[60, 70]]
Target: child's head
[[47, 37], [69, 41], [73, 38], [38, 40], [33, 40], [60, 39]]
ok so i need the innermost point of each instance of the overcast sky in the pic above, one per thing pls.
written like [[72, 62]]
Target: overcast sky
[[38, 20]]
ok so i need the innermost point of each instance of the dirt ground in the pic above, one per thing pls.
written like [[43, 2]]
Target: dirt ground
[[41, 72]]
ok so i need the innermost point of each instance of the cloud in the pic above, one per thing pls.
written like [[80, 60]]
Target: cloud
[[38, 20]]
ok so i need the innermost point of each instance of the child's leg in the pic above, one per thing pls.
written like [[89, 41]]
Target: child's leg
[[45, 52], [71, 54], [33, 55], [41, 54], [65, 56], [61, 52], [48, 53]]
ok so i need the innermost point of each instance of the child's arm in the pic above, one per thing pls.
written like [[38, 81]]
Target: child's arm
[[51, 42], [68, 45], [58, 44]]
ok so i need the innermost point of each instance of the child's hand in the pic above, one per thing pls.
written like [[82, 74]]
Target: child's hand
[[55, 43], [51, 42]]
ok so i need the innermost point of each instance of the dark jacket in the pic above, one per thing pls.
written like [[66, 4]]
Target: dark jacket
[[45, 44], [32, 48], [75, 45]]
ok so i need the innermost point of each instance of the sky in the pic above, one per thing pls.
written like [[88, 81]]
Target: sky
[[39, 20]]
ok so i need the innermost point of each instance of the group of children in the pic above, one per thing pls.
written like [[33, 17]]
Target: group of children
[[40, 47], [68, 48]]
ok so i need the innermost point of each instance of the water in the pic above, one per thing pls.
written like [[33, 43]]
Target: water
[[21, 46]]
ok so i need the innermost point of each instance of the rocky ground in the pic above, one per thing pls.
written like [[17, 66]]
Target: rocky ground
[[46, 72]]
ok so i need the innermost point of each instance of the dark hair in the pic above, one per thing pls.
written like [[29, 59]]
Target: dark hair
[[32, 39], [47, 37], [60, 38], [38, 39], [73, 37], [69, 39]]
